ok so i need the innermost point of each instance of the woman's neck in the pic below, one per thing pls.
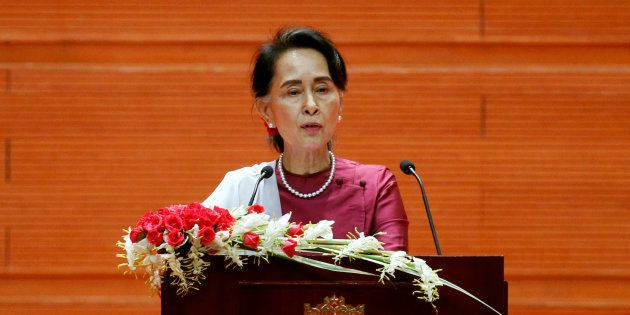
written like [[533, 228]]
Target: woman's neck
[[305, 163]]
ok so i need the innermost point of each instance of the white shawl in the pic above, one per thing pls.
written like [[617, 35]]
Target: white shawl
[[237, 186]]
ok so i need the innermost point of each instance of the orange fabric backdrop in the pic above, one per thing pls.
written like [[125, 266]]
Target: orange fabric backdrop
[[516, 113]]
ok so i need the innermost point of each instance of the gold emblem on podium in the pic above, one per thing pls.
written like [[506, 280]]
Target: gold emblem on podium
[[334, 306]]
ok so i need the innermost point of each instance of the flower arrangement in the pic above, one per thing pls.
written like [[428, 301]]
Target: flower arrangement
[[178, 237]]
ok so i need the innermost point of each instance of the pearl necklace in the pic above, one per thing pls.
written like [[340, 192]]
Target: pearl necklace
[[315, 193]]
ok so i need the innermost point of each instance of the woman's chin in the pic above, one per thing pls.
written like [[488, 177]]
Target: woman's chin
[[311, 144]]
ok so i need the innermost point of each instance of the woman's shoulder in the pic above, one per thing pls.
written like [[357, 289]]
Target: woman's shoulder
[[237, 186], [249, 171], [362, 170], [345, 163]]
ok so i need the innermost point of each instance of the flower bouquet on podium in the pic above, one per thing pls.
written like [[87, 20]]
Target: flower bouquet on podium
[[177, 238]]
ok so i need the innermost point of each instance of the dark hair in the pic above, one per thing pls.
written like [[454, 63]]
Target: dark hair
[[287, 39]]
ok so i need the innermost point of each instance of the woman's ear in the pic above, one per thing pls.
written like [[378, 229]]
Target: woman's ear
[[264, 109]]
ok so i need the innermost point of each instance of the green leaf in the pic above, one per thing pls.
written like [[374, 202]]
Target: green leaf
[[453, 286], [327, 266]]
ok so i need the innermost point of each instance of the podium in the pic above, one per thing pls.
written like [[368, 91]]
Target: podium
[[284, 287]]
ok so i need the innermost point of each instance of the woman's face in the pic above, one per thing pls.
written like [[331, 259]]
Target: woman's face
[[303, 101]]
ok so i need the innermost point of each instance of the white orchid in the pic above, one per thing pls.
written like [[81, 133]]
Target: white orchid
[[232, 255], [276, 228], [238, 212], [428, 281], [397, 260], [359, 245], [195, 255], [323, 229], [194, 232], [155, 279], [219, 243], [249, 222], [154, 260], [134, 251], [129, 251]]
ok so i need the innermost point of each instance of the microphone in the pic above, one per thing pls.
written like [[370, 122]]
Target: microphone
[[266, 172], [407, 167]]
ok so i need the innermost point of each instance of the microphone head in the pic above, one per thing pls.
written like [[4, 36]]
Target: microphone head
[[266, 172], [406, 166]]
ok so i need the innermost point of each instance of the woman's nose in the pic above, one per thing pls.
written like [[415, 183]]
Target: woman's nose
[[310, 106]]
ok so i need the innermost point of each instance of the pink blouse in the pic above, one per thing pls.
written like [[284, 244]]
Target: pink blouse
[[365, 197]]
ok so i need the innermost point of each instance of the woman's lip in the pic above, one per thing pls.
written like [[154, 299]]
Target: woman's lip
[[311, 129]]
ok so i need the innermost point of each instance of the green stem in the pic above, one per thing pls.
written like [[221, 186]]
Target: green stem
[[328, 242]]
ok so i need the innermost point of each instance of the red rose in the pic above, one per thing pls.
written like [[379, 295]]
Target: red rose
[[207, 235], [175, 237], [151, 221], [155, 237], [256, 209], [225, 220], [195, 206], [189, 222], [164, 211], [251, 240], [176, 209], [208, 217], [296, 229], [136, 234], [173, 222], [289, 247], [190, 214]]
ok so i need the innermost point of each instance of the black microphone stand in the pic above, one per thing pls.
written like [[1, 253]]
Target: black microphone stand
[[408, 168], [266, 172]]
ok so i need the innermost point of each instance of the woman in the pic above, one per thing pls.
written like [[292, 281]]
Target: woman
[[298, 82]]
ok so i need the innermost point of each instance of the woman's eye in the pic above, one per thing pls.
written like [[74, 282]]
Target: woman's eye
[[293, 92], [322, 89]]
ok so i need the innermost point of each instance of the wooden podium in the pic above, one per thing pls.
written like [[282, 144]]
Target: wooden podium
[[284, 287]]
